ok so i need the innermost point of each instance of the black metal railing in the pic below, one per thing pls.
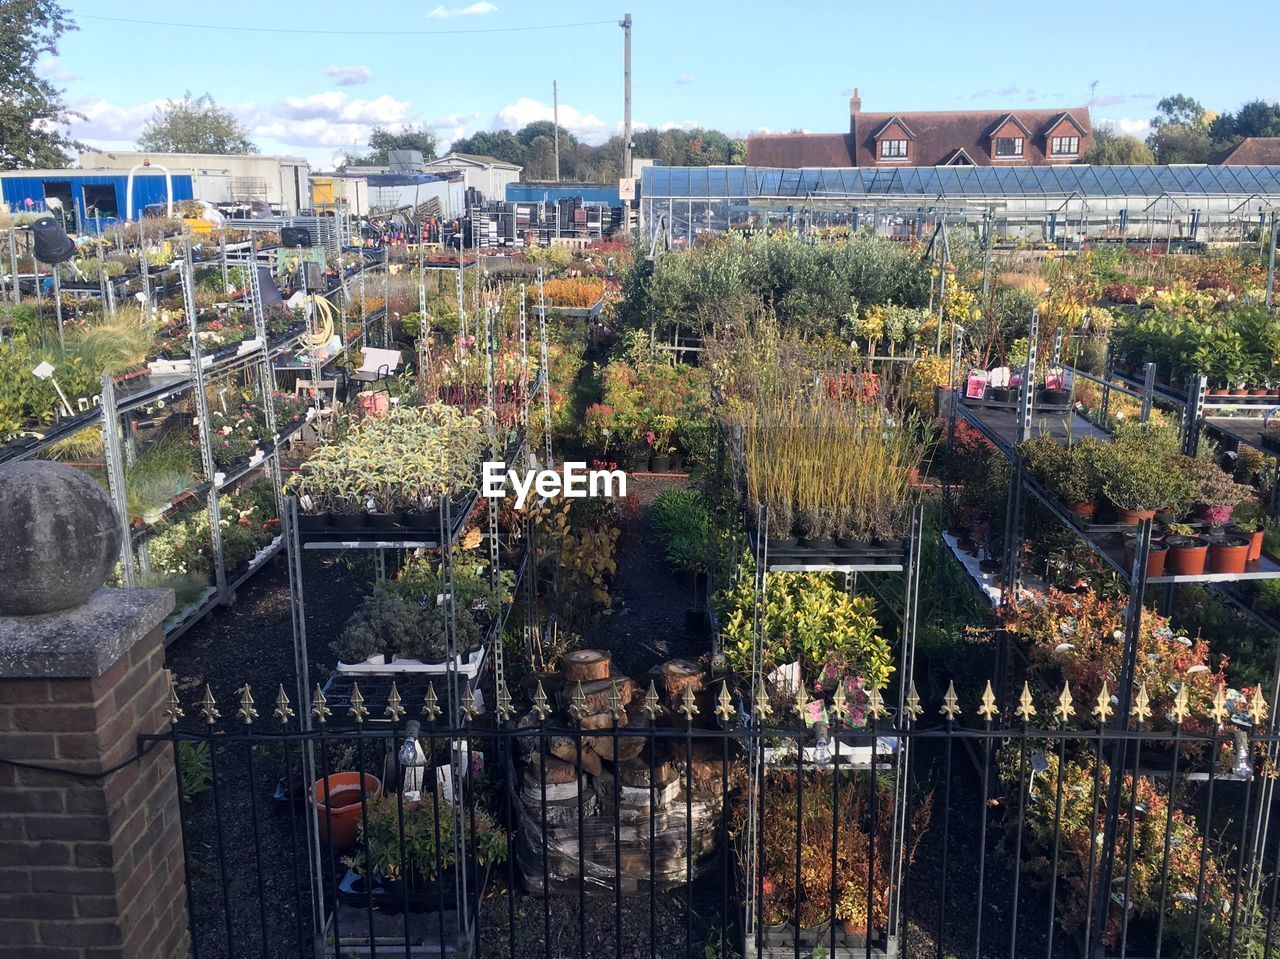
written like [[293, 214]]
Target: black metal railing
[[1043, 827]]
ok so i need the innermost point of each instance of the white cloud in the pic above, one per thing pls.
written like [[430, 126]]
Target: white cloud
[[1128, 126], [349, 76], [687, 79], [586, 127], [474, 10], [48, 68]]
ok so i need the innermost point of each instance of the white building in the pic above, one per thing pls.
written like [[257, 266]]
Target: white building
[[488, 175], [281, 181]]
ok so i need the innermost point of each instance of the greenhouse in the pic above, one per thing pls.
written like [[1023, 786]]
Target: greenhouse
[[1064, 204]]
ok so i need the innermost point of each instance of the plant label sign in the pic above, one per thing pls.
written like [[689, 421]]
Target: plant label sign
[[573, 481]]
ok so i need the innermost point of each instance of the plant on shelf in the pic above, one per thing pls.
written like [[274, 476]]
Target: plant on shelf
[[807, 617], [1214, 491], [683, 524], [424, 830], [574, 292], [403, 461], [384, 624], [1139, 482], [1173, 871]]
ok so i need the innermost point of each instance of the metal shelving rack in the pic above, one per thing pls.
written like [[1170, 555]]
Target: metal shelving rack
[[1133, 573]]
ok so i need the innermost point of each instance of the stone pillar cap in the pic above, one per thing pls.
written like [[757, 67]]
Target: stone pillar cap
[[82, 642]]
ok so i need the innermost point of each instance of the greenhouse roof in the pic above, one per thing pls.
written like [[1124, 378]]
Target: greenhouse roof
[[730, 182]]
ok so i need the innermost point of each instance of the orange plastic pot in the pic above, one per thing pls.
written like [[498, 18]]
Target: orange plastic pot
[[1132, 517], [1229, 555], [1155, 558], [338, 810]]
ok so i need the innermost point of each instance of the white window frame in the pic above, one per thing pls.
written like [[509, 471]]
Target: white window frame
[[1055, 152], [889, 148], [1021, 145]]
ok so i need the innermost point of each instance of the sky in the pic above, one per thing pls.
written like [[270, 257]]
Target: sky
[[742, 67]]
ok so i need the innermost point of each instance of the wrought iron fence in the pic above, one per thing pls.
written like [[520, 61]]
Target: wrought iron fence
[[374, 825]]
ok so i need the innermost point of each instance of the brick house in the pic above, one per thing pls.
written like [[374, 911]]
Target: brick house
[[933, 138], [1251, 151]]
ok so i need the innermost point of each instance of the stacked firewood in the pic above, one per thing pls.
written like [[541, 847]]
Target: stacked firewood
[[658, 798]]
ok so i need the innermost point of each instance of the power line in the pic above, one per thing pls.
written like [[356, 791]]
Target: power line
[[343, 33]]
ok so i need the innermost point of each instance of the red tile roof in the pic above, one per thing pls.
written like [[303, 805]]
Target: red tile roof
[[937, 137], [1251, 151]]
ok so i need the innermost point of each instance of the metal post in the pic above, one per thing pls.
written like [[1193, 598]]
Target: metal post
[[1025, 404], [1148, 390], [115, 477], [1193, 414], [626, 94], [1271, 263], [57, 303], [13, 266], [546, 372], [988, 240]]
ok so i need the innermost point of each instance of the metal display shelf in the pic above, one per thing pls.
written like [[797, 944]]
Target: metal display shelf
[[1248, 430], [1002, 426]]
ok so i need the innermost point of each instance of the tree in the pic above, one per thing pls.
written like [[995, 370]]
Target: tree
[[1113, 149], [1180, 131], [33, 116], [383, 140], [499, 144], [195, 126], [1257, 118]]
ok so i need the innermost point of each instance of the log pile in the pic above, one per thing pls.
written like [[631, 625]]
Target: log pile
[[658, 799]]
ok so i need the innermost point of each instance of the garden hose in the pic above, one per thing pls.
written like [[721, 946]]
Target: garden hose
[[315, 339]]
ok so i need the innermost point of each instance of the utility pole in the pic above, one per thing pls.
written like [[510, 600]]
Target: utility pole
[[625, 23], [555, 114]]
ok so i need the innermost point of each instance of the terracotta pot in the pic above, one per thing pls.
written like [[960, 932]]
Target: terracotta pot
[[1257, 392], [1085, 510], [1229, 555], [1155, 558], [373, 404], [1214, 515], [1217, 392], [1237, 392], [1187, 555], [338, 810], [1132, 517]]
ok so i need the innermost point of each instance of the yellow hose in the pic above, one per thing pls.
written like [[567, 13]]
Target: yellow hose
[[322, 308]]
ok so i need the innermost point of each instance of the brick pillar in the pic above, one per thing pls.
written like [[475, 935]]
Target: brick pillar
[[90, 868]]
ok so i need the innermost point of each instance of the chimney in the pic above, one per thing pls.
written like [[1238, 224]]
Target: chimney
[[855, 103], [855, 107]]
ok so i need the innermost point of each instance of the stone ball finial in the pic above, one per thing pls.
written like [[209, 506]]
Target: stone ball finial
[[59, 537]]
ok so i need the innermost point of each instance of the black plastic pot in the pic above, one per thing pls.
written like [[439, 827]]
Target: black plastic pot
[[660, 464], [421, 522], [1053, 397], [348, 520], [313, 522], [385, 520], [1001, 394]]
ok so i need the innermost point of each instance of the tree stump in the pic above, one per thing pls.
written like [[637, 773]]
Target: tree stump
[[679, 675], [585, 666]]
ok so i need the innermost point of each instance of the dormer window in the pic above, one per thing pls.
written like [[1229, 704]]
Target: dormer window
[[1008, 146], [893, 149], [1064, 146]]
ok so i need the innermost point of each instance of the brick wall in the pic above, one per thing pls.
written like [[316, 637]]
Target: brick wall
[[90, 869]]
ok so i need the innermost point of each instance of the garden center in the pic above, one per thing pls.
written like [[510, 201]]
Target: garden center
[[721, 560]]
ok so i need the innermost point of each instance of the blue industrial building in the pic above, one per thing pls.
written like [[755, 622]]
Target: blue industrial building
[[551, 192], [91, 200]]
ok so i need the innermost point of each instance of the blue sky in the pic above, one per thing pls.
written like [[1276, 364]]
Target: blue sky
[[739, 67]]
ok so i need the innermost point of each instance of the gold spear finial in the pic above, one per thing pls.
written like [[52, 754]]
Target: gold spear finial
[[950, 703], [1141, 710], [1026, 710], [615, 701], [356, 710], [468, 707], [724, 705], [209, 708], [394, 711], [505, 710], [914, 709], [761, 705], [248, 713], [1103, 709], [988, 709], [1258, 708], [688, 706], [1180, 711], [283, 711], [1065, 709], [431, 703], [578, 703], [172, 705], [801, 703], [320, 708], [541, 708], [840, 707], [1219, 711], [651, 706], [875, 704]]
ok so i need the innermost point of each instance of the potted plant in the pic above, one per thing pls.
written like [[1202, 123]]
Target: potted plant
[[339, 809], [1139, 482], [383, 624], [1155, 556], [1215, 492], [1076, 481], [662, 429], [425, 833], [1187, 552]]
